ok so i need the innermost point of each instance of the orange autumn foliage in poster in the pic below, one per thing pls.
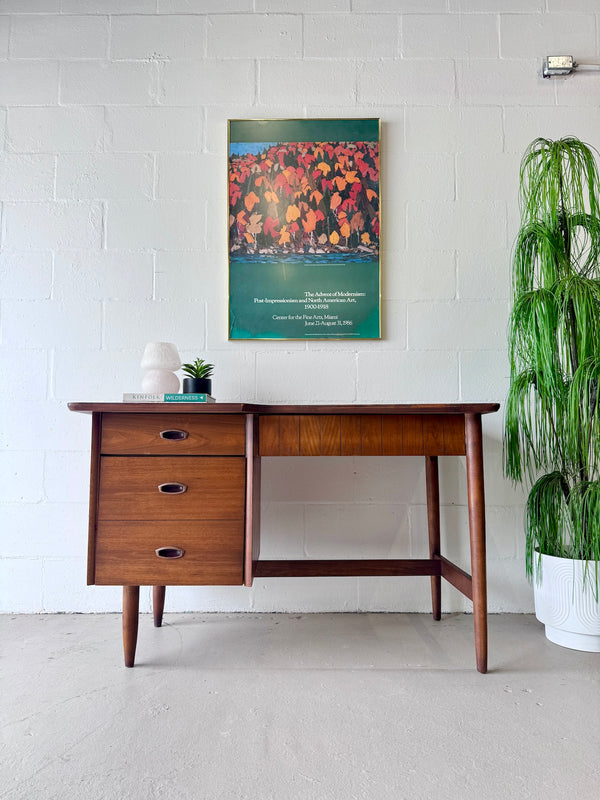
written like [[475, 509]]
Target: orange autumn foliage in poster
[[306, 197]]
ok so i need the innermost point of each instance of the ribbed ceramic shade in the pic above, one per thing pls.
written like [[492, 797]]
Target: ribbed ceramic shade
[[161, 355]]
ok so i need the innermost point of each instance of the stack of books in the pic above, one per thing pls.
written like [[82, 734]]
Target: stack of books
[[145, 397]]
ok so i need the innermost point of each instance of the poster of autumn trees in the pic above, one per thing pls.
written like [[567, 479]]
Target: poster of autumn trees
[[304, 229]]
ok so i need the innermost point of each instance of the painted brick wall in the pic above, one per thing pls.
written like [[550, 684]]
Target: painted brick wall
[[112, 187]]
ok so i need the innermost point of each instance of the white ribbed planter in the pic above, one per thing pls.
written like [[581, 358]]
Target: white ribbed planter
[[566, 606]]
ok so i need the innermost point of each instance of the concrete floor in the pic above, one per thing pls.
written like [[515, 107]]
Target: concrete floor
[[310, 706]]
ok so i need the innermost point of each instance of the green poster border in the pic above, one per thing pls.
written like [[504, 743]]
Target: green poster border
[[305, 130]]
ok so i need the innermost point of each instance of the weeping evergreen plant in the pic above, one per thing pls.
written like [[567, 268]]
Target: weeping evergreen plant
[[552, 425]]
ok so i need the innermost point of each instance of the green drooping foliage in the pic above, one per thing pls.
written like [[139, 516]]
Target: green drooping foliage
[[552, 422]]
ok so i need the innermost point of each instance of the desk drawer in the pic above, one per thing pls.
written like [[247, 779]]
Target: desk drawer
[[126, 553], [192, 488], [187, 434]]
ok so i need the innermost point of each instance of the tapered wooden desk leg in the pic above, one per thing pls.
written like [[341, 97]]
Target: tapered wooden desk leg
[[158, 604], [475, 492], [433, 523], [131, 607]]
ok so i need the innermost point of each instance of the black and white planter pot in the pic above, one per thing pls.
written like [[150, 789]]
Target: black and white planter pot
[[197, 386], [566, 603]]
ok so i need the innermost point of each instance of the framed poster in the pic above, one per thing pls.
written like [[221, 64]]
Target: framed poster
[[304, 226]]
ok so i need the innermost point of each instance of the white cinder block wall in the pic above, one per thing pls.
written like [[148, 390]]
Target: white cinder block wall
[[113, 207]]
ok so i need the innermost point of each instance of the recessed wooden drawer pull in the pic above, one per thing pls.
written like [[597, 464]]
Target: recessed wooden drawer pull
[[170, 552], [172, 488], [174, 435]]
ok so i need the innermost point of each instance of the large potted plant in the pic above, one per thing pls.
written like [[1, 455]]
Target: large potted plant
[[552, 424]]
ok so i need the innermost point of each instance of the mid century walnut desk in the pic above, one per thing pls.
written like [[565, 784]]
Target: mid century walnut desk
[[175, 493]]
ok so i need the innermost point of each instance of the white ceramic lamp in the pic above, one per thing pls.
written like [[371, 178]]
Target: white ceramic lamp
[[159, 362]]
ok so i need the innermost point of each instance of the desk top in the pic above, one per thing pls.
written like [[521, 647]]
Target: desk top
[[268, 409]]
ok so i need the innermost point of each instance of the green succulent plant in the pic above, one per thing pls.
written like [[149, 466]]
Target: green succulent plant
[[198, 369]]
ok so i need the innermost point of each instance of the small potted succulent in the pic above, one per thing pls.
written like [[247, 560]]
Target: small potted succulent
[[198, 380]]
